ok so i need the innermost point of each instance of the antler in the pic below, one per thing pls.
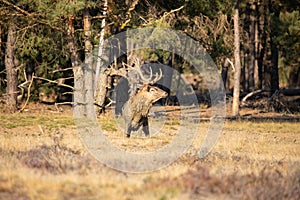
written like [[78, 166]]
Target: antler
[[145, 80], [139, 71], [157, 76], [135, 65]]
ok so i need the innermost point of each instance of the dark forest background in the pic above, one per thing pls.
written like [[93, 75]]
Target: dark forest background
[[42, 41]]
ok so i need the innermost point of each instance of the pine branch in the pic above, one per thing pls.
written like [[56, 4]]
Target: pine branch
[[34, 16], [17, 8]]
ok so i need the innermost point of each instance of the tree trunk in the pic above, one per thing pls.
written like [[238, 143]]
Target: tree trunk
[[274, 47], [101, 90], [262, 43], [101, 76], [79, 97], [245, 67], [274, 66], [237, 63], [87, 32], [256, 45], [252, 49], [11, 70], [1, 51], [267, 65], [75, 61], [245, 50], [88, 65], [100, 47]]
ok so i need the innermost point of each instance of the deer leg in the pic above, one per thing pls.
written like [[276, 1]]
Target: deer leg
[[140, 130], [128, 127], [128, 130], [145, 126]]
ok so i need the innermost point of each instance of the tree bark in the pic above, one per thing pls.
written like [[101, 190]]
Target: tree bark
[[75, 61], [256, 45], [11, 70], [79, 97], [245, 50], [1, 51], [252, 48], [245, 68], [274, 10], [274, 66], [101, 90], [101, 75], [100, 47], [261, 52], [267, 65], [88, 65], [87, 32], [237, 72]]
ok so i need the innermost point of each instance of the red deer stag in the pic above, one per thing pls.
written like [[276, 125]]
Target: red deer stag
[[135, 110]]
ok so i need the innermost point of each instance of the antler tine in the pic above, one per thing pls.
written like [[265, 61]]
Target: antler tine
[[135, 65], [157, 77], [137, 62], [126, 65], [137, 68], [144, 79]]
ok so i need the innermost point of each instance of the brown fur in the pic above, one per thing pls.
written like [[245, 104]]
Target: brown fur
[[136, 109]]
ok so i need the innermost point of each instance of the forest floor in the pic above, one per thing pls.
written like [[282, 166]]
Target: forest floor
[[43, 157]]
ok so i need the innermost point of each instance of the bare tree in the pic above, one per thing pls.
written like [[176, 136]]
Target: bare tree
[[237, 62]]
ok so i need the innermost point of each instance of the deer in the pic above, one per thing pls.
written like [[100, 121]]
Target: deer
[[135, 111]]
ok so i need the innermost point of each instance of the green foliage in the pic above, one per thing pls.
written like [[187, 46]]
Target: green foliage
[[289, 37], [210, 8], [42, 33], [63, 8]]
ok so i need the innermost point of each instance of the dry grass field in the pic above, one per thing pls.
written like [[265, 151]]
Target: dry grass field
[[42, 157]]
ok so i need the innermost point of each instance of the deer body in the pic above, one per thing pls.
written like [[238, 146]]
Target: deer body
[[135, 110]]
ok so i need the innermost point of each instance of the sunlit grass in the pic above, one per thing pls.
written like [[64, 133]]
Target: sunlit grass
[[42, 157], [51, 121]]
